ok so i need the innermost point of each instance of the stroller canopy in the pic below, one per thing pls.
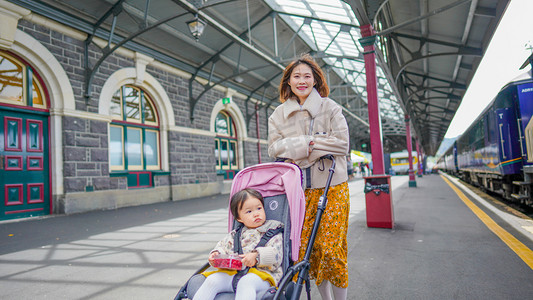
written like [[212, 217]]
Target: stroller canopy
[[272, 179]]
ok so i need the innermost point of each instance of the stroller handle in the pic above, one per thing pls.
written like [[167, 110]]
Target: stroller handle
[[302, 268], [332, 158]]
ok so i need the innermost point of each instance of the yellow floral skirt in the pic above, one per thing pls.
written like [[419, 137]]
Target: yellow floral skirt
[[329, 255]]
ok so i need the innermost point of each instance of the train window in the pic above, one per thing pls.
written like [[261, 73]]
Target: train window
[[479, 134], [486, 128], [504, 98], [490, 125]]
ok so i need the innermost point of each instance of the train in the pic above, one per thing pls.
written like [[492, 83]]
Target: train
[[496, 151], [399, 162]]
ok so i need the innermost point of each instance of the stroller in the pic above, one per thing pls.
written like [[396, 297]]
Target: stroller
[[281, 186]]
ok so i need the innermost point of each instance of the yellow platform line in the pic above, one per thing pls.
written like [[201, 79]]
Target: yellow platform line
[[518, 247]]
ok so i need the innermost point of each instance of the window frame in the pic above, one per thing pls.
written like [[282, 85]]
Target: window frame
[[29, 79], [140, 125], [228, 139]]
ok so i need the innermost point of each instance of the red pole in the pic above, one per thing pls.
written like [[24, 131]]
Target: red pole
[[367, 41], [412, 180], [379, 206]]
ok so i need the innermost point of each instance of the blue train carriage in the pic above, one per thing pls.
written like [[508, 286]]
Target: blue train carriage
[[496, 151], [448, 160], [522, 188]]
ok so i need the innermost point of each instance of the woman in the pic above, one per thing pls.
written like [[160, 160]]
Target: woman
[[305, 127]]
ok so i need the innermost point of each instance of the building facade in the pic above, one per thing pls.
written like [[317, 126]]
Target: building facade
[[132, 141]]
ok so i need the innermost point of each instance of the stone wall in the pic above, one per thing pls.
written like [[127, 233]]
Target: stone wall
[[85, 133]]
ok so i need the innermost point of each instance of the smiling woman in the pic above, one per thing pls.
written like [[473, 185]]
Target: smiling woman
[[304, 128]]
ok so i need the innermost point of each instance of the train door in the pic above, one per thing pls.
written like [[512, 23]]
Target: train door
[[525, 98], [455, 160], [508, 144], [24, 164]]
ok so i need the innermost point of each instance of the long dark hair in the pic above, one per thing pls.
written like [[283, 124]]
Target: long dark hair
[[321, 85]]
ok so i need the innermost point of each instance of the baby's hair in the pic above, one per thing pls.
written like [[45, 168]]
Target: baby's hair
[[237, 201]]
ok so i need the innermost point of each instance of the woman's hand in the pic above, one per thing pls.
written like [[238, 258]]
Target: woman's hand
[[311, 146], [249, 259], [212, 256]]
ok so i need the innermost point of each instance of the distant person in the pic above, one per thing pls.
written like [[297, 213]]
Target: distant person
[[305, 127], [349, 166], [265, 263]]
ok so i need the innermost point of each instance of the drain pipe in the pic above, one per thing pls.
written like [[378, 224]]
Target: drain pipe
[[257, 130]]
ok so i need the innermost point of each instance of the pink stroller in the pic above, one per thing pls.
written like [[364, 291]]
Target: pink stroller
[[281, 186]]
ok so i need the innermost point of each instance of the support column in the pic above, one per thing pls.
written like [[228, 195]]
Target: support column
[[412, 180], [367, 41], [378, 197]]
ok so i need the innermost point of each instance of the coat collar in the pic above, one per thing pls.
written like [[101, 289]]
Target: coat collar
[[312, 105]]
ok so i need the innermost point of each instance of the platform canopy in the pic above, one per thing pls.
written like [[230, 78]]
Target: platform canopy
[[428, 51]]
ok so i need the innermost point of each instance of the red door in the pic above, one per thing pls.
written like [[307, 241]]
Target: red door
[[24, 164]]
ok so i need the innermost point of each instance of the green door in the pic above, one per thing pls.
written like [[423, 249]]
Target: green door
[[24, 164]]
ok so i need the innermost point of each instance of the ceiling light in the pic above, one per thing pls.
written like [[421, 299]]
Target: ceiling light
[[196, 27]]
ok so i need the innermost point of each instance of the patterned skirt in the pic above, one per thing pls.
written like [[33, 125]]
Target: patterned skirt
[[329, 255]]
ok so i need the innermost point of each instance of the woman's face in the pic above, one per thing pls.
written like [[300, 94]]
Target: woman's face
[[302, 82]]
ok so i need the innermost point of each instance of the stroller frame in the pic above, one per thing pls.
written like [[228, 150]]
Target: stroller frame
[[302, 268], [287, 289]]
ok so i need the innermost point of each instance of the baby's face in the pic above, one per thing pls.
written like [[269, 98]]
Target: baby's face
[[252, 213]]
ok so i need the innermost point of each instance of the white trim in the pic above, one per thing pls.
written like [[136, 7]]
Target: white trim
[[9, 17], [108, 118], [192, 131], [52, 73], [141, 61], [158, 95], [254, 140], [80, 114]]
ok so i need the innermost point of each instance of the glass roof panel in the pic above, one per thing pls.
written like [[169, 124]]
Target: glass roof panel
[[333, 30]]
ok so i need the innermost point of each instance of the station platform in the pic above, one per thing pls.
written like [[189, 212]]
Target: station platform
[[445, 244]]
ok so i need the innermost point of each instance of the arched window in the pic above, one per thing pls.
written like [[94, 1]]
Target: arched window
[[134, 135], [18, 85], [226, 146]]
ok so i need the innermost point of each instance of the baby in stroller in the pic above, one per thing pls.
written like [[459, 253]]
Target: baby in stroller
[[260, 253], [279, 185]]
